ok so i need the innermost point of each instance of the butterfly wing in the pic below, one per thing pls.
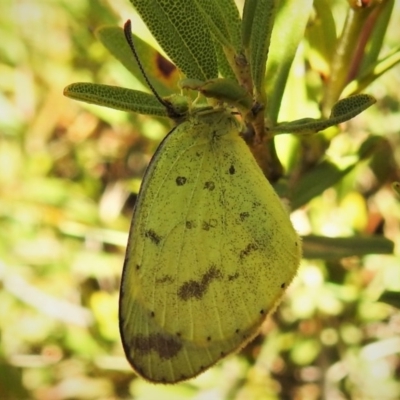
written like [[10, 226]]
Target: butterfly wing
[[210, 252]]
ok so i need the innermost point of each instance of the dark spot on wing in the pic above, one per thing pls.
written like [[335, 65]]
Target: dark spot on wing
[[209, 338], [165, 346], [180, 180], [283, 285], [197, 289], [237, 330], [137, 267], [153, 236], [164, 66], [209, 185], [165, 279], [191, 224], [244, 215], [247, 250], [232, 170], [152, 314], [233, 277], [207, 225], [262, 312]]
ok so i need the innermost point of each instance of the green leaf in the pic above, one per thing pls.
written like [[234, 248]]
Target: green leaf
[[116, 97], [347, 55], [224, 67], [342, 111], [162, 74], [351, 106], [320, 178], [374, 45], [326, 174], [258, 20], [390, 297], [226, 90], [338, 247], [223, 19], [249, 10], [290, 22], [181, 31], [321, 37], [375, 71]]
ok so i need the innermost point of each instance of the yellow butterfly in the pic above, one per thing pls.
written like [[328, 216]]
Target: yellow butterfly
[[211, 251]]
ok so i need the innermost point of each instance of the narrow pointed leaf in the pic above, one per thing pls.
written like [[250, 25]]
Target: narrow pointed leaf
[[181, 31], [249, 10], [258, 19], [351, 106], [116, 97], [321, 37], [289, 26], [162, 73], [327, 174], [390, 297], [375, 42], [226, 90], [334, 248], [223, 19], [342, 111], [224, 68], [382, 66]]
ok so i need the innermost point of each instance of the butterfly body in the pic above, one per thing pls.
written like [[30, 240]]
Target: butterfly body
[[210, 252]]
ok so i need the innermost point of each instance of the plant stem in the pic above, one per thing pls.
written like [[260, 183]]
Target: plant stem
[[344, 57]]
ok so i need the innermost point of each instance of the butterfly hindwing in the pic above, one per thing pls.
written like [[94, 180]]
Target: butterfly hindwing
[[210, 252]]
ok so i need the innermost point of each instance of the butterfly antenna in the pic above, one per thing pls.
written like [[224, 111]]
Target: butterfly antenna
[[128, 37]]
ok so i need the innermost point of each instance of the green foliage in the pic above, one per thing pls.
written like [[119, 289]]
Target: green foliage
[[158, 69], [342, 111], [258, 20], [116, 97], [289, 27], [69, 176], [223, 20], [183, 33]]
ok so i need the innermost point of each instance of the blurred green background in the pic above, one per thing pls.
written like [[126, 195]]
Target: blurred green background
[[69, 173]]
